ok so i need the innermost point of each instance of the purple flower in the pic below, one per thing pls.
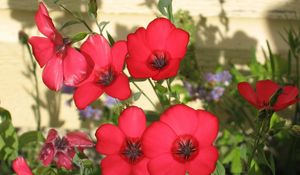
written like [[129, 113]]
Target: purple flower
[[110, 101], [216, 93], [190, 88], [90, 113], [210, 78], [224, 77]]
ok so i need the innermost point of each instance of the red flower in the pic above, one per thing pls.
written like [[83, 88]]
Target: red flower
[[107, 75], [62, 150], [182, 141], [21, 167], [260, 98], [156, 52], [63, 64], [122, 145]]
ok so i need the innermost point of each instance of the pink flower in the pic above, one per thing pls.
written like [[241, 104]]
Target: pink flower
[[182, 141], [122, 145], [107, 75], [61, 62], [156, 52], [21, 167], [62, 150]]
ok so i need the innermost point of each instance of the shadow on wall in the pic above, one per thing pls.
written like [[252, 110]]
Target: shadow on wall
[[23, 12]]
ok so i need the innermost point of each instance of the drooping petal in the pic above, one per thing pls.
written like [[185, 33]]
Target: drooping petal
[[177, 43], [265, 89], [44, 22], [248, 93], [138, 48], [110, 139], [115, 165], [63, 160], [286, 98], [86, 94], [169, 71], [166, 165], [182, 119], [119, 52], [47, 154], [140, 69], [52, 135], [98, 49], [53, 73], [21, 167], [119, 88], [158, 139], [132, 122], [141, 167], [158, 32], [43, 49], [75, 67], [79, 139], [207, 130], [204, 163]]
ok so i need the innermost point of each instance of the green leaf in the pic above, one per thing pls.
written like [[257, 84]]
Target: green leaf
[[110, 38], [85, 165], [46, 171], [69, 23], [160, 88], [2, 143], [29, 137], [136, 96], [4, 115], [78, 37], [93, 7], [8, 134], [102, 26], [163, 6], [220, 170]]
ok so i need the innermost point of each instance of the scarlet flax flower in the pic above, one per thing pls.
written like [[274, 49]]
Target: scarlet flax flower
[[265, 89], [62, 149], [21, 167], [62, 63], [107, 75], [122, 144], [182, 141], [156, 52]]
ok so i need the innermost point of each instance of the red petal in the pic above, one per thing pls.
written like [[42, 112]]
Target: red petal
[[204, 163], [182, 119], [110, 139], [132, 122], [75, 67], [21, 167], [86, 94], [119, 88], [166, 165], [52, 135], [207, 128], [157, 33], [98, 49], [63, 160], [119, 52], [158, 139], [139, 69], [79, 139], [141, 167], [43, 49], [137, 46], [286, 98], [265, 89], [53, 73], [47, 154], [44, 22], [177, 43], [248, 93], [115, 165], [169, 71]]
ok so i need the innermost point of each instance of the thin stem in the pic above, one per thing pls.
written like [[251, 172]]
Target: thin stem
[[148, 98], [37, 97], [169, 89], [76, 17], [153, 87]]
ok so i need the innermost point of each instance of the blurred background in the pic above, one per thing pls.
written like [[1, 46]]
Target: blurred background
[[226, 32]]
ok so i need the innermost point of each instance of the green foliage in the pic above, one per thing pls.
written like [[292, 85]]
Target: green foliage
[[220, 170], [78, 37], [85, 165], [8, 135], [30, 137], [4, 115], [68, 24], [165, 8], [92, 8]]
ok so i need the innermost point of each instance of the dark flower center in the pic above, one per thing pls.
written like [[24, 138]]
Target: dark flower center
[[132, 151], [61, 48], [61, 143], [158, 60], [106, 77], [185, 148]]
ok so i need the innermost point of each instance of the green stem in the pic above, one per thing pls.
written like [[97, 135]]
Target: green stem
[[169, 89], [153, 87], [37, 97], [148, 98], [76, 17]]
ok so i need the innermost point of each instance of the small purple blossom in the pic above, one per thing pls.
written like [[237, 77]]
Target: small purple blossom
[[90, 113], [110, 101], [190, 88], [224, 77], [210, 78], [217, 93]]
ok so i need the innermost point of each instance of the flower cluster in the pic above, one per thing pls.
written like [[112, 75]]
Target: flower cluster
[[181, 142]]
